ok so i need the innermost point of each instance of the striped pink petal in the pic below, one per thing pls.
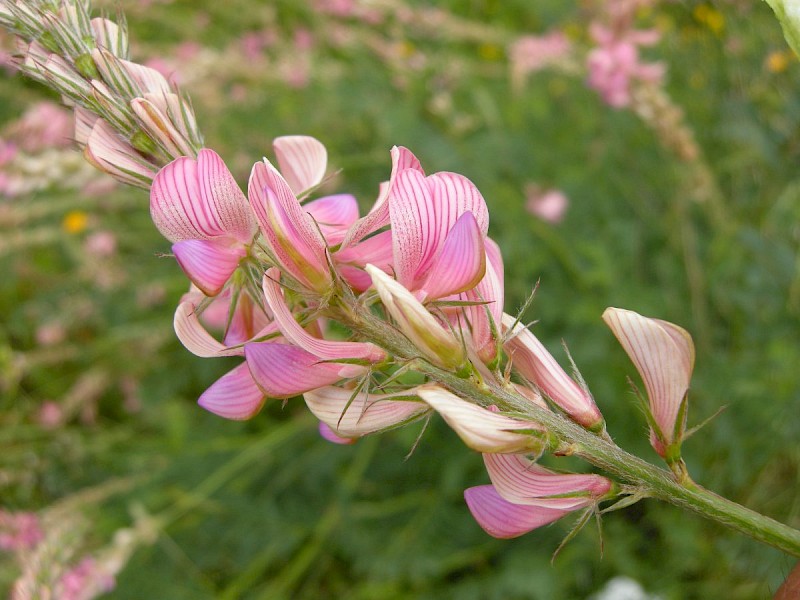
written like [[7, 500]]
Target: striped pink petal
[[479, 428], [402, 159], [283, 371], [322, 349], [353, 416], [199, 199], [461, 262], [107, 151], [302, 160], [490, 293], [502, 519], [334, 215], [521, 481], [375, 250], [208, 263], [663, 353], [234, 395], [532, 360], [288, 229], [423, 211]]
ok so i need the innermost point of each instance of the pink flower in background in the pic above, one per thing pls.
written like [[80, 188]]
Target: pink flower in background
[[549, 205], [19, 531], [85, 581], [50, 334], [614, 64], [531, 53], [51, 415], [101, 243]]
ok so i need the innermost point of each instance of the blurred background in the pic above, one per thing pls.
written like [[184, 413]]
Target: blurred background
[[633, 154]]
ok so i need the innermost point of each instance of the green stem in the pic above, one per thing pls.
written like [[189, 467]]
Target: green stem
[[598, 450]]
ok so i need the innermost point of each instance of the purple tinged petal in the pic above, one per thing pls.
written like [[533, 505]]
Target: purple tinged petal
[[375, 250], [234, 395], [354, 416], [334, 215], [283, 371], [302, 160], [208, 263], [288, 229], [461, 262], [502, 519], [521, 481], [327, 433], [479, 428], [291, 329], [663, 353], [532, 360]]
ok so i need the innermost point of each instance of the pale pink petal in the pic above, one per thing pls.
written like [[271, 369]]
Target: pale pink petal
[[532, 360], [302, 160], [291, 329], [479, 428], [84, 122], [109, 153], [207, 263], [353, 416], [247, 322], [461, 262], [334, 214], [194, 336], [283, 371], [501, 519], [402, 159], [327, 433], [234, 395], [225, 201], [663, 353], [288, 229], [490, 293], [416, 322], [521, 481]]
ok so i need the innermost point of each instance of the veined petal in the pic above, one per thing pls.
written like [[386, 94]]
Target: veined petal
[[414, 320], [288, 229], [291, 329], [353, 416], [199, 199], [375, 250], [208, 263], [532, 360], [283, 371], [521, 481], [234, 395], [481, 429], [378, 216], [663, 353], [461, 263], [108, 152], [302, 160], [334, 215], [502, 519]]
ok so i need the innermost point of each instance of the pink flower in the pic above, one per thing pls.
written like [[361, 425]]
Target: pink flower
[[532, 360], [531, 53], [101, 243], [664, 356], [548, 205], [615, 63], [19, 531], [197, 205], [85, 581], [524, 496]]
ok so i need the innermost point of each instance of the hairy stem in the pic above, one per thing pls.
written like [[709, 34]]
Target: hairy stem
[[598, 450]]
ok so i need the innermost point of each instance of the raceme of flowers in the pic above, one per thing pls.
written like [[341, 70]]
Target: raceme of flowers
[[273, 268]]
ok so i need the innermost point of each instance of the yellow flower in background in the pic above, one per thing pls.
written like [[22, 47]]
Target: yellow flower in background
[[490, 52], [710, 17], [75, 221], [777, 61]]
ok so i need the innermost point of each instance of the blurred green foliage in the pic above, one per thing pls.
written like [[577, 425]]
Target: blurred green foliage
[[266, 509]]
